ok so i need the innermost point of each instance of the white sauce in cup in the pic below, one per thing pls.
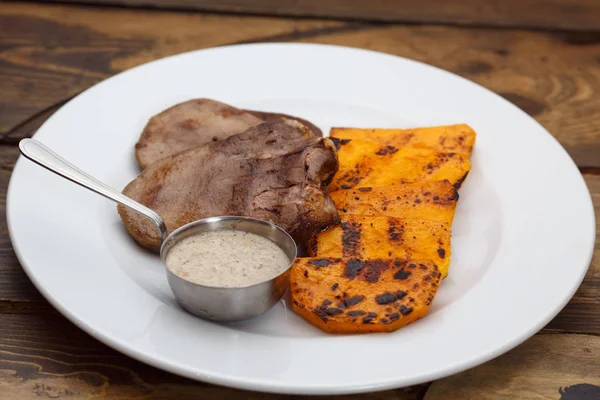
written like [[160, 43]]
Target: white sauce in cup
[[226, 258]]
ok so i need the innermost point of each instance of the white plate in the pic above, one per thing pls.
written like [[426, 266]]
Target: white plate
[[522, 237]]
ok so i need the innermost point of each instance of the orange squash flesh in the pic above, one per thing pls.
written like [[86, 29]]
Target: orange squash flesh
[[458, 138], [351, 295], [396, 193], [425, 200], [385, 237], [369, 164]]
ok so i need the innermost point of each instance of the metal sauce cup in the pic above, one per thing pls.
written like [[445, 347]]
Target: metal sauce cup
[[230, 303], [225, 304]]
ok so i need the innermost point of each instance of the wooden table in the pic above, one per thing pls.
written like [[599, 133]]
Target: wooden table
[[544, 57]]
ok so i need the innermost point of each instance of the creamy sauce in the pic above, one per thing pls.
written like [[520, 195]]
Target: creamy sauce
[[226, 258]]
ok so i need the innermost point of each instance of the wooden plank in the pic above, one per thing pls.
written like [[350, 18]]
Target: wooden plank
[[17, 293], [46, 356], [50, 53], [53, 52], [553, 77], [545, 367], [553, 14], [582, 314]]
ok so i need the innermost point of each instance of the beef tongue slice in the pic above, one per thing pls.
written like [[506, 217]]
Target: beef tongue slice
[[194, 123], [277, 171]]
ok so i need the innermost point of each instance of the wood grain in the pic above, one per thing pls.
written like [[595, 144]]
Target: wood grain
[[50, 53], [582, 314], [17, 293], [542, 368], [554, 14], [553, 77], [46, 356]]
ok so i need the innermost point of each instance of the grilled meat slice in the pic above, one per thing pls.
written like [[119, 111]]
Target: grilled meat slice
[[276, 171], [194, 123]]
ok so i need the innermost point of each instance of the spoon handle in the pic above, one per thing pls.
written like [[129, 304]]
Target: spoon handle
[[42, 155]]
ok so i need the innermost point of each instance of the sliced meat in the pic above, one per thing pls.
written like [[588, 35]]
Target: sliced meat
[[189, 124], [277, 171], [194, 123]]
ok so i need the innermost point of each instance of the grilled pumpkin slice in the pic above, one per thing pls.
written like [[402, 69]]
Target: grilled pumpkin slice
[[444, 139], [385, 237], [351, 295], [368, 164], [426, 200]]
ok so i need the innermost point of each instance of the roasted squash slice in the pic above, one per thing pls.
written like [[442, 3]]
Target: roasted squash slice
[[369, 164], [425, 200], [385, 237], [351, 295], [444, 139]]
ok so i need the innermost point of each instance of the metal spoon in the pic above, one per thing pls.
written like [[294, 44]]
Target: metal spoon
[[212, 303]]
